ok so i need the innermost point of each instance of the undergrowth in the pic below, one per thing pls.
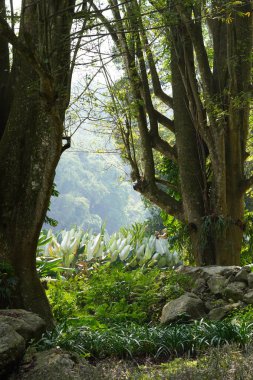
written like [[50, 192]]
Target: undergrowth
[[157, 342], [109, 295]]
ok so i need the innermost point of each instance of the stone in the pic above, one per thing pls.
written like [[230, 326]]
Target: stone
[[12, 348], [188, 306], [214, 303], [199, 286], [217, 283], [55, 364], [209, 271], [250, 280], [219, 313], [248, 297], [230, 272], [235, 290], [242, 275], [27, 324]]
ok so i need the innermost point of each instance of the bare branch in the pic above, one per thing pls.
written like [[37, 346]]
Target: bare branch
[[165, 121], [168, 184], [160, 198], [195, 32]]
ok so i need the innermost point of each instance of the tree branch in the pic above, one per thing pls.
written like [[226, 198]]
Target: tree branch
[[195, 32], [28, 52], [165, 121], [168, 184], [160, 198], [164, 147]]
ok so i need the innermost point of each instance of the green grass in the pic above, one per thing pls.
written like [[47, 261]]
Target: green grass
[[157, 342]]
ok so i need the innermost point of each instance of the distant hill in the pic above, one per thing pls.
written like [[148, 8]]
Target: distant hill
[[92, 190]]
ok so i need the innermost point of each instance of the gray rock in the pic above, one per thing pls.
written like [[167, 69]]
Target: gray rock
[[235, 291], [219, 270], [250, 280], [199, 286], [242, 275], [208, 271], [55, 364], [27, 324], [219, 313], [214, 303], [248, 297], [217, 283], [188, 306], [12, 348]]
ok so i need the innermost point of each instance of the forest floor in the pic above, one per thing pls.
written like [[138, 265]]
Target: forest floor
[[225, 363]]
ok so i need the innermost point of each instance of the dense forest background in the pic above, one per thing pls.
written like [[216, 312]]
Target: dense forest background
[[93, 187]]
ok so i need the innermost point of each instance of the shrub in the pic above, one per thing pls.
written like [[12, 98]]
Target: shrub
[[113, 294]]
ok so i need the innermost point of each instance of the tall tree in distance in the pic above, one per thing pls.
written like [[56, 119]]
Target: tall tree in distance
[[209, 47], [35, 83]]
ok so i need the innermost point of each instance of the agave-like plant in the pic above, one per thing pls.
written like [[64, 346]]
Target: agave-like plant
[[125, 245]]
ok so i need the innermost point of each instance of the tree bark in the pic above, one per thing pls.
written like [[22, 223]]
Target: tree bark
[[32, 142]]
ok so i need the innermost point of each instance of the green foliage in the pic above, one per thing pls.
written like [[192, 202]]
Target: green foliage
[[158, 341], [48, 220], [247, 246], [111, 294], [90, 190]]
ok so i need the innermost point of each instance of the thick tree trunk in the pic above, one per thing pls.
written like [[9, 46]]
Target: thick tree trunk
[[32, 143], [29, 152]]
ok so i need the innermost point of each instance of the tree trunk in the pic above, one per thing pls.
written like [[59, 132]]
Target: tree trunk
[[32, 143]]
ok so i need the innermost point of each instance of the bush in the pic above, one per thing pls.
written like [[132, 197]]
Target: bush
[[111, 294]]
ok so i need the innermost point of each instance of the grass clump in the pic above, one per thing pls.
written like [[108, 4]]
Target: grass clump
[[157, 342]]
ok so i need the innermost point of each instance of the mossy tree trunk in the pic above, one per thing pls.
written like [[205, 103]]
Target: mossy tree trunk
[[32, 131]]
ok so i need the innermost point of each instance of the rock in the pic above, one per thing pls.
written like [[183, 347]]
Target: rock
[[220, 312], [242, 275], [230, 272], [248, 297], [27, 324], [188, 306], [209, 271], [212, 304], [235, 290], [12, 348], [199, 286], [217, 283], [250, 280], [55, 364], [219, 270]]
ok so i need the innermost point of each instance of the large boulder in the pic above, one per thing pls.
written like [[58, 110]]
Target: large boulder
[[55, 364], [17, 328], [12, 348], [188, 306], [27, 324]]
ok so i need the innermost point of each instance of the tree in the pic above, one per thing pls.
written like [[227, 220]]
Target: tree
[[208, 46], [35, 78]]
